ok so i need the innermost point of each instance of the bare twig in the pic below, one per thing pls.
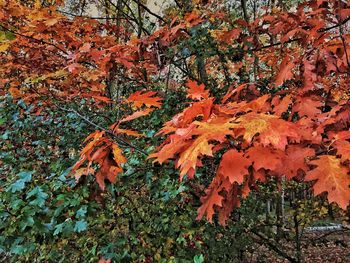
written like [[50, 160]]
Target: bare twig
[[87, 120]]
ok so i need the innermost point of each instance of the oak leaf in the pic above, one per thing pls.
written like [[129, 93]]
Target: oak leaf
[[331, 177], [234, 166], [285, 70], [195, 91], [265, 157], [271, 129], [211, 199], [147, 98]]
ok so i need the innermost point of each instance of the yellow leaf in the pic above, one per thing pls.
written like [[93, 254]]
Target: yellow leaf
[[117, 155], [4, 47]]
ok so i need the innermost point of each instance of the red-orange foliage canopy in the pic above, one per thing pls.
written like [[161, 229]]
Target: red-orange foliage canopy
[[295, 126]]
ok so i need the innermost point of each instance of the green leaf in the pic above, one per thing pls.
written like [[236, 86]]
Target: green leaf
[[80, 226], [81, 212], [58, 229], [16, 186], [26, 176], [40, 196], [198, 259]]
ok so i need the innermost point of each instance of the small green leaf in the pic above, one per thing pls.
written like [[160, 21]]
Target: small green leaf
[[58, 229], [81, 212], [198, 259], [16, 186], [80, 226], [40, 196], [26, 176]]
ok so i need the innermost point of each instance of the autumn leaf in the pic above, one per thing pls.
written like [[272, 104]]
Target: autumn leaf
[[188, 158], [343, 149], [234, 166], [211, 199], [171, 147], [308, 107], [195, 91], [283, 105], [101, 98], [232, 91], [146, 98], [285, 70], [295, 159], [265, 157], [117, 155], [331, 177], [231, 202], [271, 129], [137, 114], [127, 132]]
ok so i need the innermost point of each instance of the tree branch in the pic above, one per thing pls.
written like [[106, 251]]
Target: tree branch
[[34, 39], [87, 120]]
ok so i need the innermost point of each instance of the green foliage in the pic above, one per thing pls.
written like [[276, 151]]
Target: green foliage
[[47, 216]]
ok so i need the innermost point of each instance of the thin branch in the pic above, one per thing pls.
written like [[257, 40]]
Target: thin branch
[[83, 16], [149, 11], [343, 40], [334, 26], [87, 120], [34, 39]]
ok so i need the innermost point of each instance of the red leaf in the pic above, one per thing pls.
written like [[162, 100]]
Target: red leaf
[[211, 199], [234, 166], [285, 71], [265, 157]]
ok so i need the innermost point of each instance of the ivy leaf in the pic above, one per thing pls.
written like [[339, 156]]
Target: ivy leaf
[[25, 177], [40, 196], [58, 229], [198, 258], [16, 186], [80, 226], [81, 212]]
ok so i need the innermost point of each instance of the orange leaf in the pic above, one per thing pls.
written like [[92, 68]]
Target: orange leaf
[[136, 114], [332, 177], [146, 98], [266, 158], [195, 91], [271, 129], [101, 98], [234, 166], [233, 91], [188, 158], [117, 154], [283, 105], [295, 159], [308, 107], [343, 149]]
